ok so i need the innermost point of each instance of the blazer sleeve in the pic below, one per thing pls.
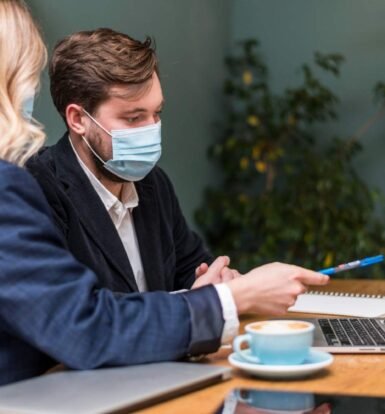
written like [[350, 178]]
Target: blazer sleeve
[[51, 302]]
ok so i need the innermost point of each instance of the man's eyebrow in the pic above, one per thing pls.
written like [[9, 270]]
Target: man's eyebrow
[[135, 110], [131, 111]]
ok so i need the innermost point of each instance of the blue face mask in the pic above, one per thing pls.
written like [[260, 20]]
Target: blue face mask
[[135, 151], [27, 108]]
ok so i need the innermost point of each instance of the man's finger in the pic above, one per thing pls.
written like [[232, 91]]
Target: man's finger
[[218, 264], [309, 277], [235, 273], [227, 274], [201, 270]]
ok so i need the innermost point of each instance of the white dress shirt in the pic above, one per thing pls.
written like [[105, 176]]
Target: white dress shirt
[[121, 215]]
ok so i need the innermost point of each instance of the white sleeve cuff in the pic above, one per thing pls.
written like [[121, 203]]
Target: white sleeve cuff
[[229, 311]]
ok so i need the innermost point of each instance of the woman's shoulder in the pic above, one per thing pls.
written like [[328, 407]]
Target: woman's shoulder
[[13, 172], [18, 181], [5, 165], [19, 192]]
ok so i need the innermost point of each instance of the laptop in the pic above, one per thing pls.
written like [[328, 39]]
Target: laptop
[[107, 390], [349, 335]]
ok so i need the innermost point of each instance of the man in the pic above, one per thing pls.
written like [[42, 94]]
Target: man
[[121, 217]]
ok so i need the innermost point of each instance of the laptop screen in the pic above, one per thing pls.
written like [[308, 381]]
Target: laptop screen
[[251, 401]]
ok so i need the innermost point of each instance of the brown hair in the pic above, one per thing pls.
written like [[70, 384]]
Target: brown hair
[[86, 65]]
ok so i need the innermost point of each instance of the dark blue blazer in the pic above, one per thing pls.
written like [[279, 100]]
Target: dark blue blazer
[[51, 309], [170, 251]]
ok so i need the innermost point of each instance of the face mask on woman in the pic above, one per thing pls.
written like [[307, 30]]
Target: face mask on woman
[[27, 107]]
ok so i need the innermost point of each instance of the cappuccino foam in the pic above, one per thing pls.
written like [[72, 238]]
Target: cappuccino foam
[[279, 326]]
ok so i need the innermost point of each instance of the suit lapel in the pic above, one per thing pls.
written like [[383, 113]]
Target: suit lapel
[[91, 210], [146, 220]]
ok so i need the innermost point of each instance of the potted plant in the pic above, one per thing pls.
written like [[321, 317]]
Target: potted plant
[[284, 195]]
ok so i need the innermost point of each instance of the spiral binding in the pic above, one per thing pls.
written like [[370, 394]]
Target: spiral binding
[[344, 294]]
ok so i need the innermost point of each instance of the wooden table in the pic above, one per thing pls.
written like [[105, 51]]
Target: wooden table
[[349, 374]]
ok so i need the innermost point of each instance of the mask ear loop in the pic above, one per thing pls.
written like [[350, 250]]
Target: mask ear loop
[[93, 151], [86, 141], [97, 123]]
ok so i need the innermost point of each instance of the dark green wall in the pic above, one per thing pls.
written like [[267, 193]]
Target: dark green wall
[[291, 30], [191, 37]]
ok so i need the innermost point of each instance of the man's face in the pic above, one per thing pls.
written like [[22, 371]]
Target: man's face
[[121, 112]]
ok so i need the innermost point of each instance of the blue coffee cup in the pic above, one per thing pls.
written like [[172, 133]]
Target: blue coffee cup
[[276, 342], [276, 401]]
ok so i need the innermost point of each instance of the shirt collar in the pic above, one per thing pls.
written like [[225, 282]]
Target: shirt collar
[[130, 198]]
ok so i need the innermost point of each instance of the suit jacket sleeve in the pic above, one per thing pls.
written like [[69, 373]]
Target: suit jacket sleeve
[[50, 301]]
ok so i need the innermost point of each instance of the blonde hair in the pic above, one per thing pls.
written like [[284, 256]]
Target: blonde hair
[[22, 57]]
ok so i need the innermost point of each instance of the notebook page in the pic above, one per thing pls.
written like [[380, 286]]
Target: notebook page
[[335, 304]]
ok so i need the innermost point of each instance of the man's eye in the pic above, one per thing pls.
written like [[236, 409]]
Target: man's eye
[[133, 119]]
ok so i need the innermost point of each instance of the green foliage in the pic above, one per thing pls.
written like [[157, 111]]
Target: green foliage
[[285, 197]]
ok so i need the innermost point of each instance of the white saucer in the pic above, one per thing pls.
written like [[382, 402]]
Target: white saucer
[[313, 363]]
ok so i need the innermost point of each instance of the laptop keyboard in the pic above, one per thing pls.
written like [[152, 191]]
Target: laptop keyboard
[[357, 332]]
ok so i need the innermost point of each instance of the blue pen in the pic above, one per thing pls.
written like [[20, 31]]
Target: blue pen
[[352, 265]]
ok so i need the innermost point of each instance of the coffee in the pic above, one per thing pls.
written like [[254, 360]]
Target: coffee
[[279, 326]]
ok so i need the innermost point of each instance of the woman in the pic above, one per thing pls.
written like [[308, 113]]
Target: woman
[[50, 307]]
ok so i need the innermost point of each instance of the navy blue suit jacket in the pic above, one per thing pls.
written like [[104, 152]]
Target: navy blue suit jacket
[[51, 309], [170, 251]]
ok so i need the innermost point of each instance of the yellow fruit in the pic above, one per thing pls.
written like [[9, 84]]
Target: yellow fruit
[[253, 120], [256, 152], [247, 77], [261, 166], [244, 163], [328, 259]]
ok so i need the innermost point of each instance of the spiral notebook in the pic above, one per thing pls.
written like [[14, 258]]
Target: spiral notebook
[[337, 303]]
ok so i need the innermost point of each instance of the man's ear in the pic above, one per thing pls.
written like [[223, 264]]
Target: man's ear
[[76, 119]]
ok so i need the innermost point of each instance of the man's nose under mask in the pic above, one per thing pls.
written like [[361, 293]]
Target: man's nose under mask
[[135, 151]]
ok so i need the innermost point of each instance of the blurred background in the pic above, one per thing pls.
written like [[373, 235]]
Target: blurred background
[[193, 38]]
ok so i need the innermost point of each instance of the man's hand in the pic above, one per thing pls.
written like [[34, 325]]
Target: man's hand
[[271, 289], [217, 272]]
